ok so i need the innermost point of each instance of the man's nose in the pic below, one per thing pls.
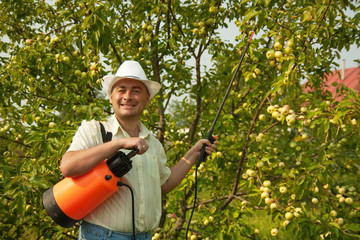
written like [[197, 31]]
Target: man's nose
[[127, 95]]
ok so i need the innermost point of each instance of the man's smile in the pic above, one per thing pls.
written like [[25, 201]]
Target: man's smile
[[128, 105]]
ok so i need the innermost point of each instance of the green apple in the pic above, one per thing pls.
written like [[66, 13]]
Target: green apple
[[251, 173], [278, 46], [288, 50], [210, 21], [291, 43], [66, 59], [267, 183], [213, 9], [260, 164], [278, 54], [333, 213], [280, 117], [349, 200], [289, 215], [272, 63], [144, 26], [193, 237], [304, 136], [264, 195], [342, 190], [262, 117], [273, 206], [270, 54], [260, 137], [340, 221], [29, 41], [150, 28], [274, 232], [271, 109], [283, 189], [285, 109], [314, 200], [290, 119], [77, 72], [275, 114], [285, 223], [195, 31], [52, 125], [291, 175]]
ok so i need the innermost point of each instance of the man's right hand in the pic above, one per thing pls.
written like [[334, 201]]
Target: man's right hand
[[77, 163], [134, 142]]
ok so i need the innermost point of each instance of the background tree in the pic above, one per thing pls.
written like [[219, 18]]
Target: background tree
[[287, 163]]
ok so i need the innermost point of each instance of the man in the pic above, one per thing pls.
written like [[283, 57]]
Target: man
[[129, 92]]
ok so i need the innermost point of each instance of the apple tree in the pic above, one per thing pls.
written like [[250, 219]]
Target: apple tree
[[284, 155]]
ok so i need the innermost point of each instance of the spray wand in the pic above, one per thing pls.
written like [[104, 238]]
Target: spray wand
[[210, 137]]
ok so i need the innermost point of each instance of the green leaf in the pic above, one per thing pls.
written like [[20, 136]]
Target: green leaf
[[250, 14], [352, 227]]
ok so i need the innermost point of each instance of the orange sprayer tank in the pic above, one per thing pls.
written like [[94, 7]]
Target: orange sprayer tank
[[72, 199]]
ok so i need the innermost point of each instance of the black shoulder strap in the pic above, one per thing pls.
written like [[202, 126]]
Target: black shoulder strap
[[106, 136]]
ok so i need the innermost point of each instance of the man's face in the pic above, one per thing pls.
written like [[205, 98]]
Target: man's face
[[129, 97]]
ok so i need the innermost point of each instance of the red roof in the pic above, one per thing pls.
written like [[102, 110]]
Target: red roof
[[351, 80]]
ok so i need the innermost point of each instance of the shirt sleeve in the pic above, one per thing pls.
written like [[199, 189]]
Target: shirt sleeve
[[164, 171], [88, 135]]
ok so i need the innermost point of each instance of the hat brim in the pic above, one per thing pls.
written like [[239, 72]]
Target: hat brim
[[109, 81]]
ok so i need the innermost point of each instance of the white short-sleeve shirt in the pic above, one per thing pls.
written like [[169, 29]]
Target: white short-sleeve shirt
[[148, 173]]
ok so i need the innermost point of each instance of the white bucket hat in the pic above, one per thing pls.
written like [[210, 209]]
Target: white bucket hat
[[130, 70]]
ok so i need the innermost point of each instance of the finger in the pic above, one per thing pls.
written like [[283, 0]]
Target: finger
[[143, 147], [211, 147], [209, 150]]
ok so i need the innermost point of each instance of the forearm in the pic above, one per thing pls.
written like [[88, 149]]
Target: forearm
[[178, 173], [77, 163], [180, 170]]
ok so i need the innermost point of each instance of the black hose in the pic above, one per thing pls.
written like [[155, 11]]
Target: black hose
[[132, 206]]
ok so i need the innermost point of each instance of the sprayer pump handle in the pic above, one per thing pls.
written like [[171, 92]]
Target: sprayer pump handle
[[133, 152], [203, 154]]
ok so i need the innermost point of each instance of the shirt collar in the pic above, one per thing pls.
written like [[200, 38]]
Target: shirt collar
[[115, 127]]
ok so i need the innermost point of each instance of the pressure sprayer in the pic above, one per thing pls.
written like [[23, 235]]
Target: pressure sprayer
[[209, 136], [71, 199]]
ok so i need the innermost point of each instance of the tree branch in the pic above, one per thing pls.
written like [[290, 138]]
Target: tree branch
[[242, 159]]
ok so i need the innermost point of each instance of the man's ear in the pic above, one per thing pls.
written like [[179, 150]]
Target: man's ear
[[148, 99], [110, 100]]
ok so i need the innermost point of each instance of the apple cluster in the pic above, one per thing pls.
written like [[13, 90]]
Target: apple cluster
[[281, 114], [200, 28], [278, 54]]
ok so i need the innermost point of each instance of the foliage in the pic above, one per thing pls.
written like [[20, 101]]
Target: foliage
[[285, 155]]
